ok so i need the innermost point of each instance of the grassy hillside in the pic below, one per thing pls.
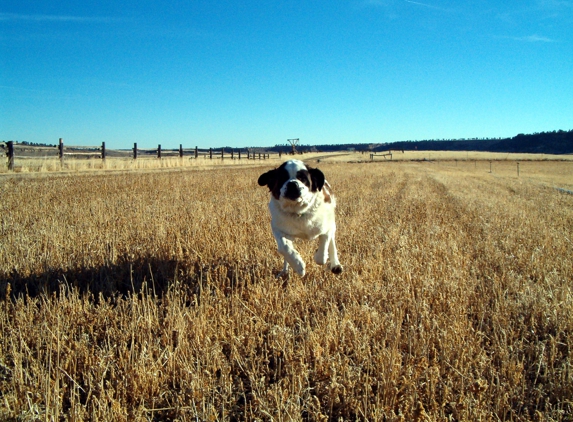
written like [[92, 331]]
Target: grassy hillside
[[152, 296]]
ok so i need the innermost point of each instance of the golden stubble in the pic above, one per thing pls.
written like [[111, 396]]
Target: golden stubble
[[152, 296]]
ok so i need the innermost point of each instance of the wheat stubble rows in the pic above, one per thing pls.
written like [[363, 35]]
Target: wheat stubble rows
[[152, 296]]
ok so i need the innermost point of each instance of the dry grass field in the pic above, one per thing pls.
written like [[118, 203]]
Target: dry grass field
[[51, 164], [151, 295]]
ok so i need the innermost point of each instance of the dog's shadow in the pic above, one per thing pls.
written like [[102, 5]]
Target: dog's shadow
[[129, 276]]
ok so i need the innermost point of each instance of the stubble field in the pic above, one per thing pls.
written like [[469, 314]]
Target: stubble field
[[152, 296]]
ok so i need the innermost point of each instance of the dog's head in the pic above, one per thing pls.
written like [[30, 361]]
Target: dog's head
[[293, 182]]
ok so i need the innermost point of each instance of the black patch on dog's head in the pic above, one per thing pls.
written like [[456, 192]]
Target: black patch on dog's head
[[274, 179], [317, 179]]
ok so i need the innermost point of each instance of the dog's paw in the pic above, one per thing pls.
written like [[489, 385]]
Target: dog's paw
[[337, 269]]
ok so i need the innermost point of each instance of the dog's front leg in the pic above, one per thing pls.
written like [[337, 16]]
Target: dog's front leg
[[291, 256], [335, 266], [321, 254]]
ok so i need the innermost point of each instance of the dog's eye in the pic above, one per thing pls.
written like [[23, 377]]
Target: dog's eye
[[303, 176]]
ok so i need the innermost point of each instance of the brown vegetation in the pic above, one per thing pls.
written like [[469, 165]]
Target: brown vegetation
[[152, 296]]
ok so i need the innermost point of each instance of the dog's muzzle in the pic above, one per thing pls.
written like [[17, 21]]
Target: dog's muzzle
[[292, 191]]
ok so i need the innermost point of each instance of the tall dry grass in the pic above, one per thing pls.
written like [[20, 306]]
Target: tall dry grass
[[152, 296]]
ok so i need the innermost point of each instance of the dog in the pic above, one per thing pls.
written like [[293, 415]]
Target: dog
[[302, 207]]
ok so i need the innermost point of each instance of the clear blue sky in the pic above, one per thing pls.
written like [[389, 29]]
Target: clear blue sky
[[252, 73]]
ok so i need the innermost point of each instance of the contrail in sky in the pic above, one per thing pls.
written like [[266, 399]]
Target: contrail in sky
[[53, 18], [533, 38], [424, 5]]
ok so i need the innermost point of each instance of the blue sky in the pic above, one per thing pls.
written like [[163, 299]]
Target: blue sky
[[252, 73]]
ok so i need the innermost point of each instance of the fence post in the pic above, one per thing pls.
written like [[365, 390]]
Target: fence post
[[222, 153], [10, 154], [103, 151], [232, 154], [196, 151], [518, 169], [61, 151], [210, 153], [159, 151], [239, 154], [180, 150], [135, 150], [490, 166]]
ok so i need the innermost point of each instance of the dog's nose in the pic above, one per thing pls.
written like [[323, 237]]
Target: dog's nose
[[292, 190]]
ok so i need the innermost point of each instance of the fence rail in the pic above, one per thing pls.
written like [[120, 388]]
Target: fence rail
[[25, 151]]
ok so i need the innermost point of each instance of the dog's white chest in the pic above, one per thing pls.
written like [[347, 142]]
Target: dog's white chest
[[306, 226]]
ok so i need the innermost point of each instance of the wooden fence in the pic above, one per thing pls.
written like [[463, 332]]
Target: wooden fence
[[385, 154], [14, 151]]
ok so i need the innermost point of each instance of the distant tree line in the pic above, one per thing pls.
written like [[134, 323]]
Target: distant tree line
[[36, 144], [556, 142]]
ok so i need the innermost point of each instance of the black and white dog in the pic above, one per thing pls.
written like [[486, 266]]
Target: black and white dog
[[302, 206]]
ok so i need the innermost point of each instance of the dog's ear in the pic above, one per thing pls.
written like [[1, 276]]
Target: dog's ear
[[268, 178], [317, 178]]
